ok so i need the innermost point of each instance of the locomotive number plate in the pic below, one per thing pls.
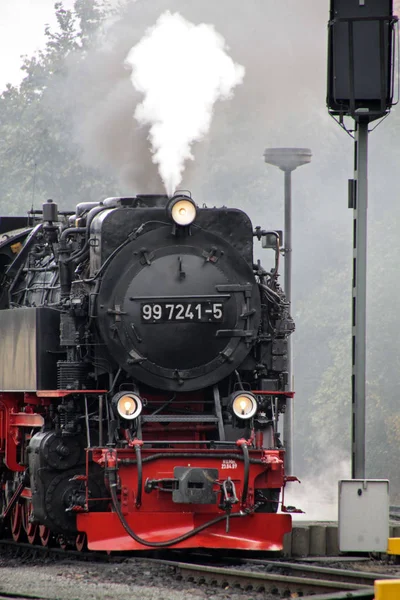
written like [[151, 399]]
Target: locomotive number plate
[[182, 312]]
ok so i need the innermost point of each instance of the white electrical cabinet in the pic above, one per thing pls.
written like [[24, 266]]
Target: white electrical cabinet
[[363, 515]]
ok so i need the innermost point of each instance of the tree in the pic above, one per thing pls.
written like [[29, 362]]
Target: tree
[[38, 158]]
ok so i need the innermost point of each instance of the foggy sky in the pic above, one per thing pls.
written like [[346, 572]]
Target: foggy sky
[[22, 24], [282, 46]]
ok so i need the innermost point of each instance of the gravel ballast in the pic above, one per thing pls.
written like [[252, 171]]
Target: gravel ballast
[[129, 580]]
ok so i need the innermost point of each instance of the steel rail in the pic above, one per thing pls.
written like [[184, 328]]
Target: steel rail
[[22, 596], [259, 581], [394, 512], [367, 594], [364, 578]]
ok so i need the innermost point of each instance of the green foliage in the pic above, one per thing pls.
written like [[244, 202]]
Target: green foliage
[[323, 347], [38, 158]]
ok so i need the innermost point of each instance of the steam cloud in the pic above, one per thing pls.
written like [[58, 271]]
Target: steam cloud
[[182, 69]]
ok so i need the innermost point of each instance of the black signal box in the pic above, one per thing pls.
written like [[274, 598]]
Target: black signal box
[[361, 58]]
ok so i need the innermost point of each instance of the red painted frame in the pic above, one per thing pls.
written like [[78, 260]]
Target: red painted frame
[[159, 519]]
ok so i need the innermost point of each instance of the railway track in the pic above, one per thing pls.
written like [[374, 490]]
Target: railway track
[[304, 582], [16, 596], [362, 578], [394, 513], [282, 578], [366, 594]]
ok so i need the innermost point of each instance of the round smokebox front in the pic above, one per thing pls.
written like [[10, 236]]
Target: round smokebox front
[[171, 309]]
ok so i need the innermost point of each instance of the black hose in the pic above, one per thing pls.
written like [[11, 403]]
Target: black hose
[[140, 475], [76, 256], [246, 459], [177, 540]]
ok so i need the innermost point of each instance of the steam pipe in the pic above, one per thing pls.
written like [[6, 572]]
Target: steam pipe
[[246, 459], [91, 215], [69, 231], [138, 453], [128, 461], [63, 251]]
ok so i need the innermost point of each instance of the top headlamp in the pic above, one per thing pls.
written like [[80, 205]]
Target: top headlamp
[[182, 210]]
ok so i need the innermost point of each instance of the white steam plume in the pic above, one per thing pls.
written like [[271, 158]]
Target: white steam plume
[[182, 69]]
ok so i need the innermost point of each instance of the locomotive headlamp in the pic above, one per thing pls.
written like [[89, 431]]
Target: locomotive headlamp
[[128, 405], [244, 405], [182, 209]]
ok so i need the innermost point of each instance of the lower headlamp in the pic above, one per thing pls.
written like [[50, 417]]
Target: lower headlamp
[[244, 405], [128, 405]]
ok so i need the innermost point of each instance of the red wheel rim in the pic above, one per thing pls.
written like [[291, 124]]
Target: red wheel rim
[[30, 528], [80, 542], [45, 535], [17, 530]]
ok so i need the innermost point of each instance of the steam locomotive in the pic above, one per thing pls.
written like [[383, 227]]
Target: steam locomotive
[[143, 369]]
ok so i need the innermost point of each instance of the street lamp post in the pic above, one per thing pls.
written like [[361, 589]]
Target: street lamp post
[[288, 159]]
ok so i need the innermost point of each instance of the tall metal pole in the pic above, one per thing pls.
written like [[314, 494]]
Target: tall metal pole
[[360, 209], [287, 160], [362, 54], [289, 414]]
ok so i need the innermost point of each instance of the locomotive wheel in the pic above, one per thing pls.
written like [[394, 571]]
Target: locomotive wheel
[[45, 535], [81, 542], [17, 517], [31, 529]]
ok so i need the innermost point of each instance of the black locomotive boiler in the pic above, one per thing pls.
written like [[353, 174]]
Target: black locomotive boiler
[[143, 369]]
